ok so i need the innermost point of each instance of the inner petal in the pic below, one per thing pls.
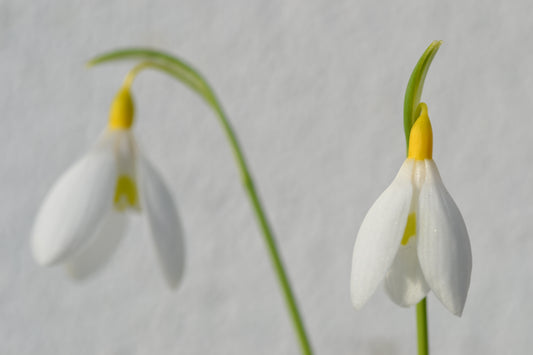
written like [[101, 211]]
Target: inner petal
[[405, 282], [126, 190]]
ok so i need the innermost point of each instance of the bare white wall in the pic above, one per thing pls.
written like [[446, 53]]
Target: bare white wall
[[315, 92]]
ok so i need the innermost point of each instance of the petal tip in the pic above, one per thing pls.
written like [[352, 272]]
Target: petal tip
[[358, 296], [357, 303], [42, 253], [76, 275], [173, 285], [456, 310], [173, 281]]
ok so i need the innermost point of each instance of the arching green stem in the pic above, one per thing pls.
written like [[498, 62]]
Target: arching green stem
[[190, 77]]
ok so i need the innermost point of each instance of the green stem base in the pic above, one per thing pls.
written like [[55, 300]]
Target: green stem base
[[422, 328]]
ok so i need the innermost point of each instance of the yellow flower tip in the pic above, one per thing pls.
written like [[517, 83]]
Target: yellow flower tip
[[410, 228], [126, 194], [421, 136], [122, 110]]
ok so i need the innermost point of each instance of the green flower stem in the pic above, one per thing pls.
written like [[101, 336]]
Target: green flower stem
[[186, 74], [422, 328], [267, 232]]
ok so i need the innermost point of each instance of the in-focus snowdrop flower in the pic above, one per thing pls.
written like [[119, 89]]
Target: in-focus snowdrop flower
[[82, 219], [414, 235]]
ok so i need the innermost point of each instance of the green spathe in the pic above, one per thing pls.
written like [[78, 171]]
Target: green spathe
[[415, 86]]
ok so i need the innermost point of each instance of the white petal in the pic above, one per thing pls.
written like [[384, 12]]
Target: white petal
[[443, 244], [94, 254], [405, 281], [75, 206], [379, 236], [164, 222]]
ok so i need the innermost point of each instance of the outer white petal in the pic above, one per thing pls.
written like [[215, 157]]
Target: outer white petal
[[94, 254], [379, 236], [75, 206], [164, 222], [405, 281], [443, 244]]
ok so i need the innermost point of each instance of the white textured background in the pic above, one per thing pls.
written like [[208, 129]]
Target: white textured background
[[315, 92]]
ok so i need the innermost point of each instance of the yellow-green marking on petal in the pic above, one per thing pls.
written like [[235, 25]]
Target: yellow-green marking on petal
[[410, 228], [126, 193]]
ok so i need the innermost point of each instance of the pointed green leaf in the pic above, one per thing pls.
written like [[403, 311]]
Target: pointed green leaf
[[415, 86]]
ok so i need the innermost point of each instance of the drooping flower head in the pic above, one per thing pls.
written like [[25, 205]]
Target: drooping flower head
[[414, 236], [83, 217]]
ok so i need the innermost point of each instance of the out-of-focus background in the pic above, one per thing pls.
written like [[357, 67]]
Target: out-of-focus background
[[315, 92]]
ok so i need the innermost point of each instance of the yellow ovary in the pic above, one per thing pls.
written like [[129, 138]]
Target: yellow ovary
[[122, 110], [126, 194], [421, 136], [410, 228]]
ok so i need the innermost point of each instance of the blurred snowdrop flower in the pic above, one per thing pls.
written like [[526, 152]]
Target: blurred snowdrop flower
[[414, 235], [82, 219]]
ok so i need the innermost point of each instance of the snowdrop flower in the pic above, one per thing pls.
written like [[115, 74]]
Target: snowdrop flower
[[82, 219], [414, 235]]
